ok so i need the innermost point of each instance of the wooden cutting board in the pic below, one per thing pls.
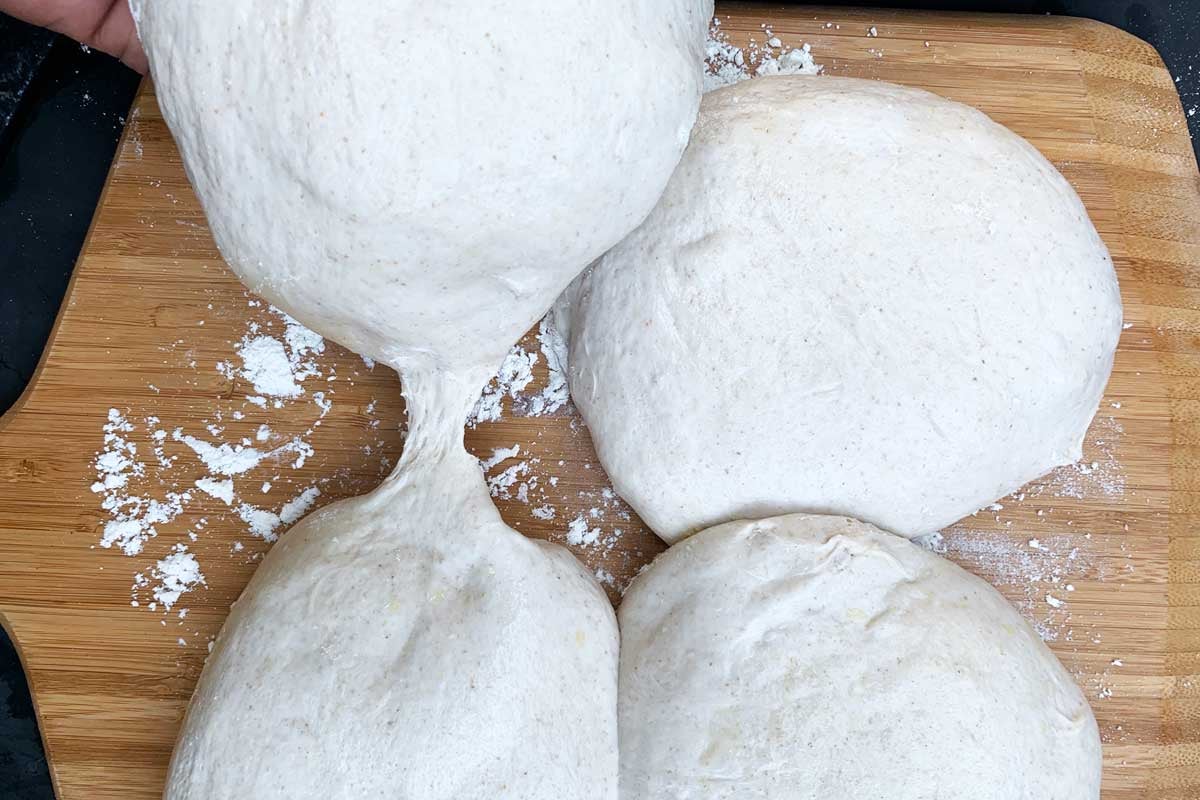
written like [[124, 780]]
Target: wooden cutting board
[[1103, 557]]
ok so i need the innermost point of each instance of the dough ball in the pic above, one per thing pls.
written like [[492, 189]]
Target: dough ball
[[853, 298], [818, 657], [408, 644], [416, 180]]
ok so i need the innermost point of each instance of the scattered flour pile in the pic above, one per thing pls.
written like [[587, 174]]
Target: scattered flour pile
[[143, 488], [516, 374], [276, 366], [1041, 570], [588, 521], [177, 573], [133, 518], [728, 64], [148, 473], [264, 524]]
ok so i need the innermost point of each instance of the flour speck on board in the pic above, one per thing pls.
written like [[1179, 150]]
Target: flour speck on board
[[580, 534], [223, 458], [728, 64], [517, 474], [516, 372], [264, 523], [516, 375], [114, 463], [277, 366], [265, 364], [555, 395], [498, 455], [134, 518], [222, 490], [178, 572], [508, 482]]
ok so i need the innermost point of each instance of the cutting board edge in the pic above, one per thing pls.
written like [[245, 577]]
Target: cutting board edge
[[31, 682], [28, 398], [9, 417], [1182, 622]]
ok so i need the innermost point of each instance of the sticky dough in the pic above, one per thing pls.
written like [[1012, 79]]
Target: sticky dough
[[413, 182], [808, 657], [418, 183], [853, 298], [409, 644]]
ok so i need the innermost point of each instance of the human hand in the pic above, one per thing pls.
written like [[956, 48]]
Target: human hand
[[103, 24]]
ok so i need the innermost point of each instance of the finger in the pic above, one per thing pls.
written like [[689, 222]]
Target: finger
[[104, 24]]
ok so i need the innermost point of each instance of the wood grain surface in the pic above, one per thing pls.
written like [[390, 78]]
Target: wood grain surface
[[1103, 557]]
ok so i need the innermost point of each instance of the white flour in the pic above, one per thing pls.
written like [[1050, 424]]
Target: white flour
[[517, 373], [1099, 474], [133, 518], [580, 535], [729, 64], [516, 474], [267, 367], [264, 523], [1043, 571], [222, 459], [178, 572], [581, 532], [222, 490], [144, 488], [498, 455], [276, 367], [508, 483], [555, 395]]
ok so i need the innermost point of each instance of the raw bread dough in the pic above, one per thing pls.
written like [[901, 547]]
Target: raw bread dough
[[853, 298], [408, 644], [418, 182], [818, 657], [415, 180]]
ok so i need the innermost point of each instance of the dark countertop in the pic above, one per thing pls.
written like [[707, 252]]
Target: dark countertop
[[61, 112]]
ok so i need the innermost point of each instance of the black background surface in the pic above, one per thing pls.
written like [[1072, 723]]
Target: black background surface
[[61, 112]]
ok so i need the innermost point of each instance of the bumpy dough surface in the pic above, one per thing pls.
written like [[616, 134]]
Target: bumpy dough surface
[[808, 658], [418, 181], [853, 298]]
